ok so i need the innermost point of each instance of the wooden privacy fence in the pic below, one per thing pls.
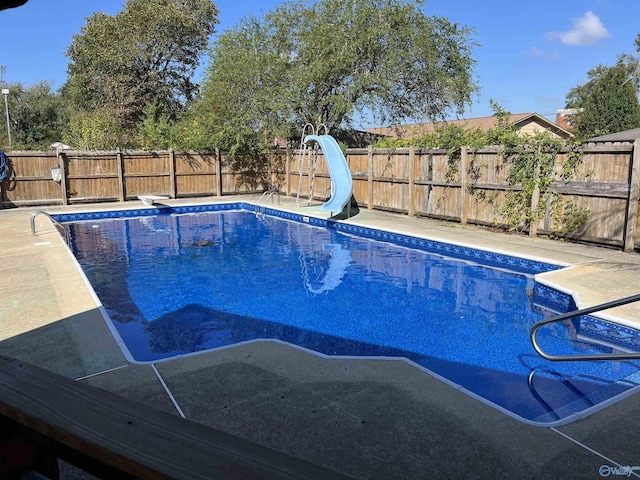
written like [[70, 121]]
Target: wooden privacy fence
[[85, 177], [598, 203]]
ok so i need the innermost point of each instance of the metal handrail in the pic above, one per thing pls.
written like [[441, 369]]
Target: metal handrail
[[261, 204], [42, 212], [576, 313], [565, 382], [313, 159], [302, 154]]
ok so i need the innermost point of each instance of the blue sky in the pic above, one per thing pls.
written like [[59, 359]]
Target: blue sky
[[531, 53]]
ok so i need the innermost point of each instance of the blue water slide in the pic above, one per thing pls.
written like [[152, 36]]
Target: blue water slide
[[341, 182]]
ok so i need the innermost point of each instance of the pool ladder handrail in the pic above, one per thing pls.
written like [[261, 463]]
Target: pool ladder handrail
[[261, 204], [565, 381], [61, 228], [42, 212], [576, 313]]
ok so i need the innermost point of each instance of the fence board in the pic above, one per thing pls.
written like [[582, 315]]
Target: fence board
[[147, 186], [29, 179], [359, 163], [92, 189], [632, 203], [195, 163]]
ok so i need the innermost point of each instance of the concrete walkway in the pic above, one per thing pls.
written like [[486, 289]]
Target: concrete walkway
[[370, 419]]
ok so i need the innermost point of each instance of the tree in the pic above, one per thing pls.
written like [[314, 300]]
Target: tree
[[608, 102], [145, 55], [326, 61], [37, 116]]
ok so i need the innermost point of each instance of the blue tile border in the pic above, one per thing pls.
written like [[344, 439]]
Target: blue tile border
[[543, 296], [611, 334], [295, 217], [519, 265], [552, 300], [144, 212]]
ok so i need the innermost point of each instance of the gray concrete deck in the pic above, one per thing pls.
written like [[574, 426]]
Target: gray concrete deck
[[371, 419]]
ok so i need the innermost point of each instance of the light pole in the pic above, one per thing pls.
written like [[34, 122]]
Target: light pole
[[5, 92]]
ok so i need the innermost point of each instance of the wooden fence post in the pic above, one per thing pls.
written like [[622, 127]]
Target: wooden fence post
[[120, 167], [2, 189], [464, 165], [535, 199], [172, 175], [427, 174], [370, 177], [411, 174], [632, 203], [270, 175], [63, 177], [218, 173], [287, 169]]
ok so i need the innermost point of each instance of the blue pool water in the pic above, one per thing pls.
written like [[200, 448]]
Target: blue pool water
[[175, 284]]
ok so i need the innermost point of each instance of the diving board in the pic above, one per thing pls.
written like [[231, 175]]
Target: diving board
[[341, 181], [151, 199]]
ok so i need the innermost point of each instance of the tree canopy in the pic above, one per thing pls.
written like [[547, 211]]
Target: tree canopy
[[37, 116], [608, 101], [145, 55], [324, 62]]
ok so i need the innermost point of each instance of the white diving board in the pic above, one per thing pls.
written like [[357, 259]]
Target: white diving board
[[151, 199]]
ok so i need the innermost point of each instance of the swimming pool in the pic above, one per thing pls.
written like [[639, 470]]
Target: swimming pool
[[176, 281]]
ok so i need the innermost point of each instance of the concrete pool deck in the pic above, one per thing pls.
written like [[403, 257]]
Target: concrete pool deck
[[369, 419]]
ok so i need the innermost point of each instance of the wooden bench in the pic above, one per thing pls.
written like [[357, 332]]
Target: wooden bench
[[113, 437]]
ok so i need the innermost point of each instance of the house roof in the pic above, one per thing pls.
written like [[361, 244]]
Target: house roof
[[483, 123], [625, 136]]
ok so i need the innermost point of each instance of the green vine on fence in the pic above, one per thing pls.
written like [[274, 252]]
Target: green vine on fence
[[567, 216], [571, 164], [531, 161]]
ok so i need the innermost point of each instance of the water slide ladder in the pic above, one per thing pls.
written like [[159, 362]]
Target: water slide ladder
[[308, 159], [577, 313]]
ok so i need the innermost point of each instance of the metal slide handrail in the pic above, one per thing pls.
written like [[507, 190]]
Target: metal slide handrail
[[576, 313]]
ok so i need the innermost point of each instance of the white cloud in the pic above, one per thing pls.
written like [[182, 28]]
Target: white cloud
[[536, 52], [586, 30]]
